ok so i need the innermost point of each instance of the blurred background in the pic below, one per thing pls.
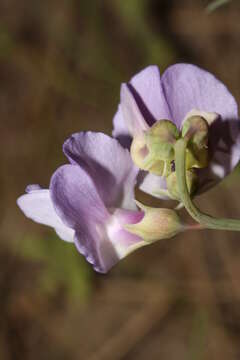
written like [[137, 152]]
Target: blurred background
[[61, 65]]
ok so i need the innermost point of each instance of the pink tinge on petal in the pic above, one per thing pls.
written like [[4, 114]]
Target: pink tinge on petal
[[122, 240], [128, 216], [104, 244]]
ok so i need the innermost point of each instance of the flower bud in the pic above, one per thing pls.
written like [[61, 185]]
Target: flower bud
[[161, 138], [172, 184], [156, 224], [195, 129], [153, 150], [210, 117], [143, 158]]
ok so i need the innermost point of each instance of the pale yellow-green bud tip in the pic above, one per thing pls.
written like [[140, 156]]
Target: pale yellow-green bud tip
[[172, 184], [161, 138], [156, 224], [143, 158], [153, 150], [195, 129]]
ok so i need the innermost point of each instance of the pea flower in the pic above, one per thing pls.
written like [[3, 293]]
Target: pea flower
[[183, 134], [184, 91], [91, 202]]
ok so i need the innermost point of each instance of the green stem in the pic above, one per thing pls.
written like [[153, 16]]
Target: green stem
[[204, 219]]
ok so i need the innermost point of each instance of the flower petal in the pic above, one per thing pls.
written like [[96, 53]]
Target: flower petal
[[120, 130], [75, 197], [123, 241], [224, 142], [147, 84], [97, 249], [142, 102], [77, 202], [131, 113], [154, 185], [109, 165], [104, 247], [37, 205], [210, 117], [188, 87]]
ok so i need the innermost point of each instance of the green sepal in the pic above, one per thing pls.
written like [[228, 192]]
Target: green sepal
[[195, 130], [172, 184], [156, 224], [160, 140]]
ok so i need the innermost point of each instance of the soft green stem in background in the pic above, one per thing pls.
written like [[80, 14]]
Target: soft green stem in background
[[203, 219], [214, 5]]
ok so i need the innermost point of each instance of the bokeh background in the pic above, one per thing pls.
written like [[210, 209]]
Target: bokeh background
[[61, 65]]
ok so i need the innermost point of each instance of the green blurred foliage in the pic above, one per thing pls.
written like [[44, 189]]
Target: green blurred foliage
[[199, 333], [214, 5], [61, 266], [155, 47], [6, 43]]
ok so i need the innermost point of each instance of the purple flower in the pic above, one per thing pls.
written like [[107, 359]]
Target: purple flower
[[90, 200], [183, 90]]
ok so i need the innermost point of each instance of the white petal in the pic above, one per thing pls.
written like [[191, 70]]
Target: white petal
[[210, 117], [37, 205]]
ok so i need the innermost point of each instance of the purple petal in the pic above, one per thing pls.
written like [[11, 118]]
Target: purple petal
[[182, 89], [120, 130], [98, 234], [224, 148], [109, 165], [32, 187], [77, 202], [105, 247], [37, 205], [75, 197], [133, 117], [146, 105], [96, 248], [147, 84], [223, 161], [188, 87]]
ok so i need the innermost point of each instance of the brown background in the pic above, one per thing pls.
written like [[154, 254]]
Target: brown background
[[61, 65]]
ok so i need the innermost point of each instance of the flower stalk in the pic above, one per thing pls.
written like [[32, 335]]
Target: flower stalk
[[205, 220]]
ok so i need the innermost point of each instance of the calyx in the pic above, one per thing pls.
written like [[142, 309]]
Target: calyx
[[154, 150]]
